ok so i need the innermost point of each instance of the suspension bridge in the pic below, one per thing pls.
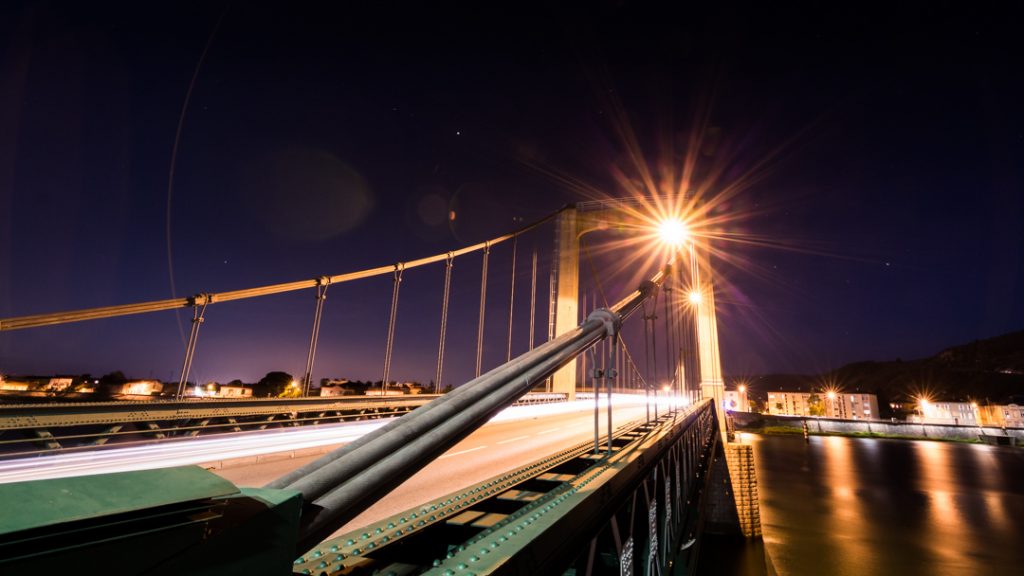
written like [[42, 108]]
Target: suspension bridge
[[628, 486]]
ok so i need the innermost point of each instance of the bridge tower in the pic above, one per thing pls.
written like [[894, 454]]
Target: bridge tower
[[586, 217], [712, 385]]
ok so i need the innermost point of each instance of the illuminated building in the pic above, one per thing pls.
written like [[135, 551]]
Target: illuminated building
[[846, 406]]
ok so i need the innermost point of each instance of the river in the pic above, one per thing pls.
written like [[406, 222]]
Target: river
[[857, 506]]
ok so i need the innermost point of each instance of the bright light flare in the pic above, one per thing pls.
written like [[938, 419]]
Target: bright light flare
[[831, 395], [695, 297], [673, 232]]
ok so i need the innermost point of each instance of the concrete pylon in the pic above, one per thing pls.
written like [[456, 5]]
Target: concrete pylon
[[711, 383], [565, 293]]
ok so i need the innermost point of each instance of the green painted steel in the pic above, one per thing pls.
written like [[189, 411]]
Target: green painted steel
[[158, 522], [29, 505]]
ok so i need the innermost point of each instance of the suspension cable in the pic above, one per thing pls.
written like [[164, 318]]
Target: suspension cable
[[669, 340], [610, 374], [533, 296], [483, 303], [511, 299], [583, 357], [321, 296], [52, 318], [399, 268], [444, 321], [193, 337]]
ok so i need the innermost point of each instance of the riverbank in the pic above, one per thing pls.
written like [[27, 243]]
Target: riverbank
[[795, 425]]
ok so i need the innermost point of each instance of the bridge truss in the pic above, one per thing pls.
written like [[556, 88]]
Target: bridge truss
[[574, 512]]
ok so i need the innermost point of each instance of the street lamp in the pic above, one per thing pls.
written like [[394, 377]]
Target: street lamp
[[672, 232], [922, 404], [832, 403]]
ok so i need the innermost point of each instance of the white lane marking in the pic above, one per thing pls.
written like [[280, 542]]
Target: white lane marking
[[541, 433], [460, 452], [513, 440]]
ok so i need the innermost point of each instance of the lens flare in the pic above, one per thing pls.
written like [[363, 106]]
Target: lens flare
[[673, 232]]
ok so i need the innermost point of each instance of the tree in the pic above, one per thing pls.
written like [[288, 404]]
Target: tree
[[815, 406], [115, 377], [273, 384]]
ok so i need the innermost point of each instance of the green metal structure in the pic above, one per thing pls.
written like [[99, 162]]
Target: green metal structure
[[165, 522]]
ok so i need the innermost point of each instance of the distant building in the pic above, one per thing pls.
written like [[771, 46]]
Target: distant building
[[13, 386], [335, 390], [956, 413], [1004, 416], [736, 400], [851, 406], [59, 384], [232, 391], [789, 403], [138, 388], [141, 387], [833, 405]]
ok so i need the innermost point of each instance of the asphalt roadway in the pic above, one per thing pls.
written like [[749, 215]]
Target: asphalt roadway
[[512, 439]]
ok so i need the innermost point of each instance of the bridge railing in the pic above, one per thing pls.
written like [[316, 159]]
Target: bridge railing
[[637, 511]]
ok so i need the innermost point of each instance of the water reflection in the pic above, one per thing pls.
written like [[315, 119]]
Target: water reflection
[[863, 506]]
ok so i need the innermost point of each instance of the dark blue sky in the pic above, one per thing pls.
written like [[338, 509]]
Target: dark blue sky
[[876, 158]]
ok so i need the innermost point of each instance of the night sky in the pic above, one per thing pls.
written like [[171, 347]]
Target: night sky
[[865, 168]]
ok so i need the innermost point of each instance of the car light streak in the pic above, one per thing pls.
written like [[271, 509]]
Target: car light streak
[[241, 445]]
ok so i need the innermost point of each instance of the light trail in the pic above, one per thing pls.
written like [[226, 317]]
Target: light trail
[[243, 445]]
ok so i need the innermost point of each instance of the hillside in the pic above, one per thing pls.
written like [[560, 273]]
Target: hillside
[[989, 370]]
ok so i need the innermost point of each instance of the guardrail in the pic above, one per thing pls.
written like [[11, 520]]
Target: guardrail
[[60, 427], [41, 428], [638, 510]]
